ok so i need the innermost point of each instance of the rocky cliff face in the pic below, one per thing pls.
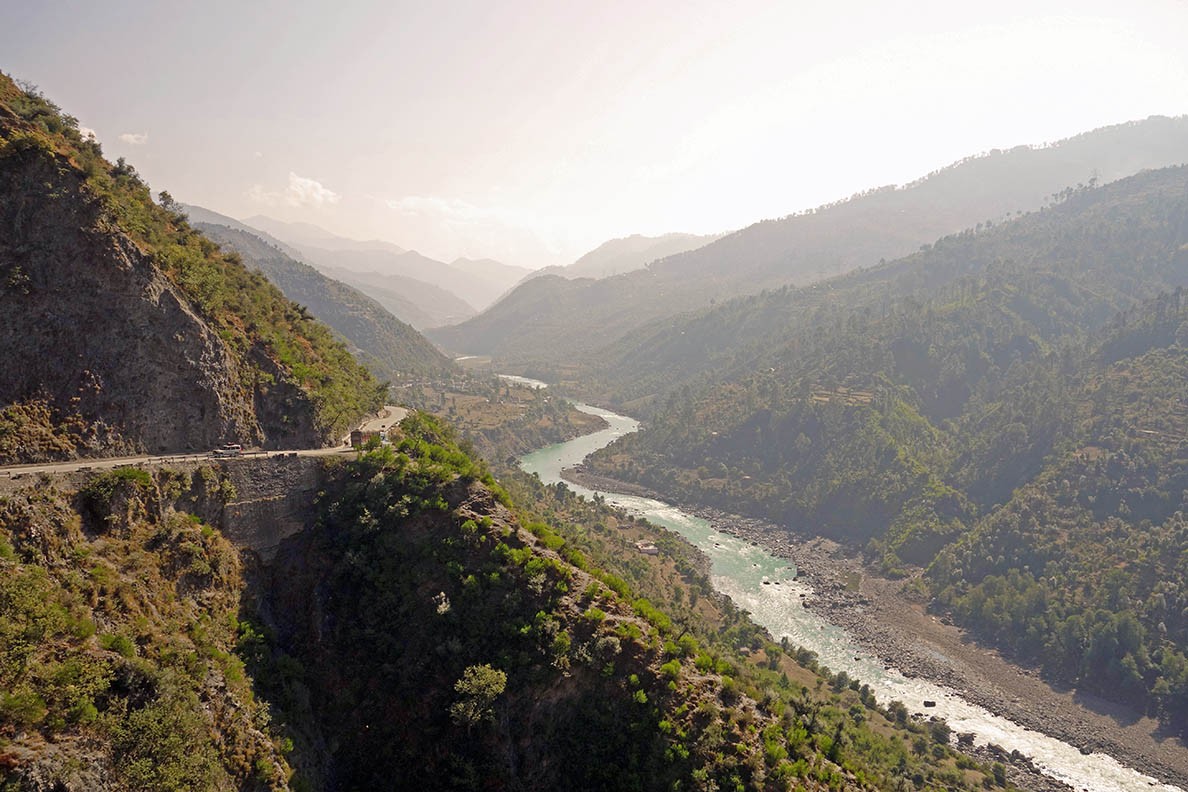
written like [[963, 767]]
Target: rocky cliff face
[[94, 330], [123, 330]]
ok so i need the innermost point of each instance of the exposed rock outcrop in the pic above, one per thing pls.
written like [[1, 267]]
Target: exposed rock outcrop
[[125, 331], [92, 328]]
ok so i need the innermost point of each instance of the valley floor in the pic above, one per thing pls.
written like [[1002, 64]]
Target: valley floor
[[893, 625]]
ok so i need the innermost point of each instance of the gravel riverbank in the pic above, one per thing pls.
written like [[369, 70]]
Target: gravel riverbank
[[889, 622]]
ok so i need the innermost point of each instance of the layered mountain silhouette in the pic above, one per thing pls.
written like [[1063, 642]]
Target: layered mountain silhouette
[[552, 320]]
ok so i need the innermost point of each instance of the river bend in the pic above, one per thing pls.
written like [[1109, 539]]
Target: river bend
[[739, 569]]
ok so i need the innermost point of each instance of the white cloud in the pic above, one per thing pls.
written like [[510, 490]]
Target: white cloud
[[300, 192], [135, 138], [87, 133]]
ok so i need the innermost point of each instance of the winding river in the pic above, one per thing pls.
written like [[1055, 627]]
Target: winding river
[[738, 569]]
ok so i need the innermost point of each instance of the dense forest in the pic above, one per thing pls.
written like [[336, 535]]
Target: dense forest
[[1006, 408], [422, 627]]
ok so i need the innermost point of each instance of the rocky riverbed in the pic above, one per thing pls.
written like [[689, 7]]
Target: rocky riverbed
[[891, 622]]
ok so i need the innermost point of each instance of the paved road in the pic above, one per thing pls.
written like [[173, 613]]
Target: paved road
[[387, 417]]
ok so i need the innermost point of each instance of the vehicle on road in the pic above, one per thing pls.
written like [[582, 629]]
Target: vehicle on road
[[228, 450], [361, 437]]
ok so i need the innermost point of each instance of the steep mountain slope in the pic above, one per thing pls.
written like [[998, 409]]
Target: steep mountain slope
[[562, 324], [391, 349], [119, 612], [124, 329], [630, 253], [979, 397], [1079, 571]]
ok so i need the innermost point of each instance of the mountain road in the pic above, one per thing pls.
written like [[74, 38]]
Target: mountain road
[[386, 418]]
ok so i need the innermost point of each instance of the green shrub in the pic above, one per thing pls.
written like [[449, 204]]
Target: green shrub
[[121, 644], [671, 669]]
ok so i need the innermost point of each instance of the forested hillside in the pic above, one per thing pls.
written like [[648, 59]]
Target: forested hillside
[[1000, 402], [551, 322], [1082, 569], [422, 628], [393, 350], [1121, 234], [124, 329]]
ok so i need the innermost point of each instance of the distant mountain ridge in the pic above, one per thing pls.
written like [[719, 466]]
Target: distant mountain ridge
[[421, 304], [200, 214], [393, 350], [476, 282], [377, 266], [617, 256], [559, 323], [417, 302], [299, 233]]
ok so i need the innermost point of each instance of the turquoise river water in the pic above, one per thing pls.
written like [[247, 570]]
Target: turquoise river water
[[738, 570]]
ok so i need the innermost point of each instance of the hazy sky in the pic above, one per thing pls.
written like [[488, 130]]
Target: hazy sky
[[533, 131]]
